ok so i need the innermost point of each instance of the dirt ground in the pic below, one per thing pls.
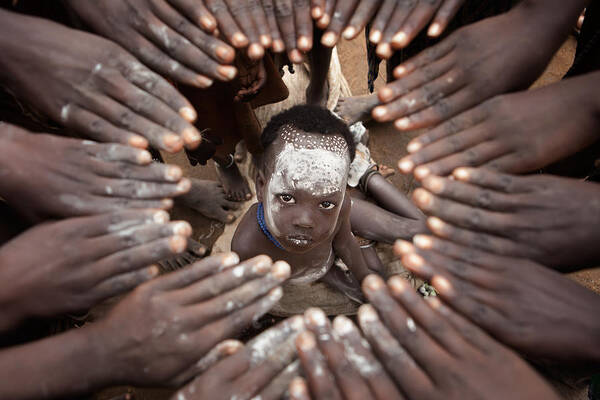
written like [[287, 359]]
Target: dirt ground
[[386, 144]]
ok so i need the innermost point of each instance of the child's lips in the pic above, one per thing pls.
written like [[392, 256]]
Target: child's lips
[[299, 240]]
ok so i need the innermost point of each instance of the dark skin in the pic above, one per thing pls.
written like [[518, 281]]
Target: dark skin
[[209, 199], [79, 262], [291, 27], [263, 367], [158, 33], [456, 74], [157, 335], [513, 133], [312, 219], [548, 219], [80, 177], [542, 314], [338, 364], [92, 86], [432, 352]]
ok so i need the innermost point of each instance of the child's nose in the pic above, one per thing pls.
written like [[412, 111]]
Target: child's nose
[[303, 220]]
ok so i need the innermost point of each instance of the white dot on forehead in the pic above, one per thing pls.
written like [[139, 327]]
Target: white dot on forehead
[[305, 140]]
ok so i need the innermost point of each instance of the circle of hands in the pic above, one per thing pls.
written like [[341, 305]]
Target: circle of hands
[[102, 225]]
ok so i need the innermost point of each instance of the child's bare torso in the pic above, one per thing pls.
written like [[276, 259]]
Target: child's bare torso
[[250, 241]]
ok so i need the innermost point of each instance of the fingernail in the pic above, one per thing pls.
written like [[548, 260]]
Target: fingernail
[[167, 203], [184, 186], [386, 94], [349, 32], [399, 71], [423, 197], [315, 316], [262, 265], [406, 166], [306, 341], [379, 112], [230, 218], [203, 81], [316, 12], [153, 271], [144, 157], [442, 285], [402, 123], [182, 228], [161, 217], [400, 39], [229, 346], [229, 260], [461, 174], [276, 294], [138, 141], [423, 242], [434, 30], [298, 389], [255, 51], [188, 113], [173, 173], [323, 21], [278, 46], [208, 23], [172, 142], [265, 40], [373, 282], [398, 284], [403, 247], [225, 53], [227, 71], [367, 314], [191, 137], [329, 39], [295, 56], [435, 223], [304, 43], [375, 37], [281, 270], [434, 184], [413, 147], [384, 50], [421, 172], [239, 39], [342, 325], [434, 302], [413, 260], [177, 244]]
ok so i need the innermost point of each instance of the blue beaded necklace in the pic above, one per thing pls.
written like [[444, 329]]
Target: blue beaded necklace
[[260, 217]]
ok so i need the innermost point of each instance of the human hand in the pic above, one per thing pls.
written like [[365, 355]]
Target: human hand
[[93, 86], [160, 332], [395, 23], [525, 305], [261, 369], [337, 363], [434, 353], [291, 27], [79, 262], [548, 219], [460, 72], [165, 35], [48, 176]]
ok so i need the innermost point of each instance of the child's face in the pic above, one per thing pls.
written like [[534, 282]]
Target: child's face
[[304, 188]]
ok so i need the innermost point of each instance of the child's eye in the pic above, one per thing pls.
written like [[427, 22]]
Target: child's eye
[[327, 205], [286, 198]]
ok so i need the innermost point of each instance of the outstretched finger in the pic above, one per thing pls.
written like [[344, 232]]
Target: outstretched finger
[[416, 21], [362, 15], [227, 24], [196, 12], [444, 15], [341, 15], [350, 382], [321, 380]]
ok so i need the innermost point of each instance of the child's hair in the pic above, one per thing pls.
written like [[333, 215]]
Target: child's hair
[[309, 118]]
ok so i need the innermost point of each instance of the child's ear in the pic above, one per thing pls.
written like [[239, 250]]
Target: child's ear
[[260, 183]]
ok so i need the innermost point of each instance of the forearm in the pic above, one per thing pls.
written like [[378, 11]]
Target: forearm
[[61, 366]]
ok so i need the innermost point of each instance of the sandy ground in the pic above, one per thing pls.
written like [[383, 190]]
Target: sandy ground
[[387, 146]]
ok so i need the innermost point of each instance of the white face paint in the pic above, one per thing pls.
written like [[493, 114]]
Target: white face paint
[[311, 168]]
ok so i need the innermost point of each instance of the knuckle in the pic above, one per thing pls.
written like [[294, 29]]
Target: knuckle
[[442, 108], [126, 118], [483, 199]]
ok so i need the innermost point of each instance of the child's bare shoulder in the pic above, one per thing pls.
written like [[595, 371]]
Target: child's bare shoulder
[[246, 235]]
